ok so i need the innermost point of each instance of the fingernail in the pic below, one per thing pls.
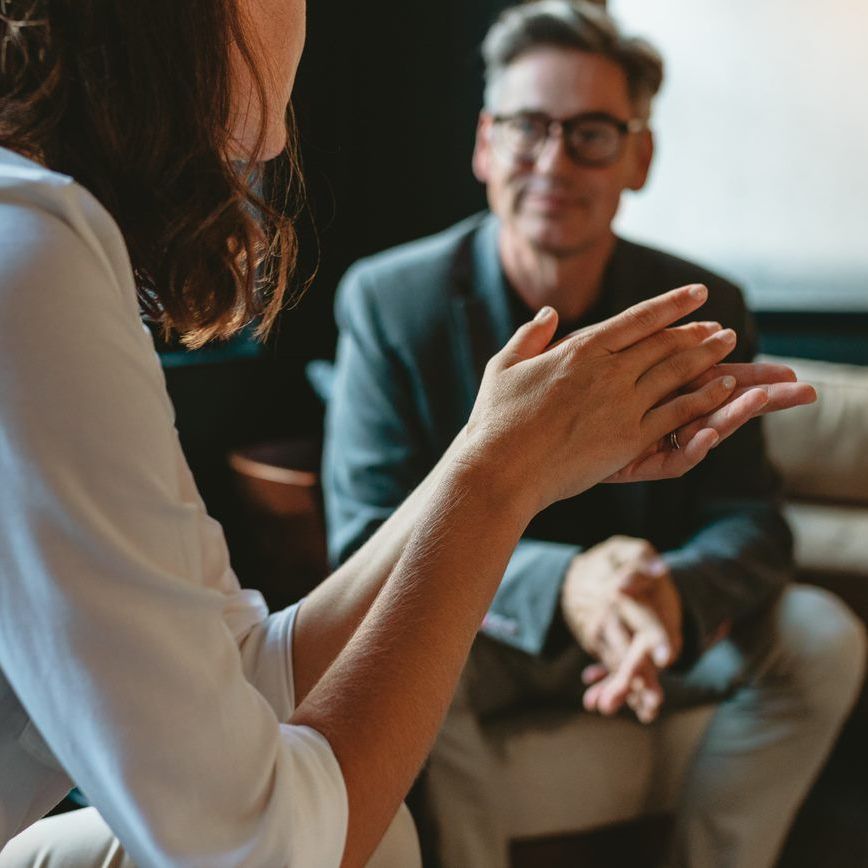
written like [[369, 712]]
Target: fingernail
[[715, 440], [727, 336], [661, 655], [543, 313], [698, 291], [657, 567], [729, 382]]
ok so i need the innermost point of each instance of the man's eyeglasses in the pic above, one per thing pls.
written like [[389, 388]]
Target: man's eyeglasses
[[590, 139]]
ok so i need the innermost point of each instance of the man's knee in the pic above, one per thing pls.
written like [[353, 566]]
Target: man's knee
[[821, 647]]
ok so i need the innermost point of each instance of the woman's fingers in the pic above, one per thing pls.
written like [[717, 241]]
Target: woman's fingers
[[746, 374], [663, 462], [746, 403], [727, 419], [529, 339], [668, 342], [628, 376], [783, 396], [677, 462], [671, 374], [681, 410], [647, 318]]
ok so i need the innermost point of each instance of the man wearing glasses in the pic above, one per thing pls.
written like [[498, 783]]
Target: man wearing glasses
[[623, 587]]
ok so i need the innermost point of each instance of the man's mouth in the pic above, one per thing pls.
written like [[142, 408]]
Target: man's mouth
[[552, 200]]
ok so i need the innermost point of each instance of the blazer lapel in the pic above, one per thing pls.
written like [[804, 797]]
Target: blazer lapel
[[480, 308], [621, 289]]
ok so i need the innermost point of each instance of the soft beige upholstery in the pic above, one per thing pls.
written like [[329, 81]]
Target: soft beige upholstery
[[821, 452], [822, 449], [829, 537]]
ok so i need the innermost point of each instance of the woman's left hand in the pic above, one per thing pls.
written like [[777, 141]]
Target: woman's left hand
[[760, 388]]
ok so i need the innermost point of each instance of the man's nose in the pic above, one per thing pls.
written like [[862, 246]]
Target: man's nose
[[553, 156]]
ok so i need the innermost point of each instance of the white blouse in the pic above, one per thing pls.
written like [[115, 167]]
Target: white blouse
[[131, 662]]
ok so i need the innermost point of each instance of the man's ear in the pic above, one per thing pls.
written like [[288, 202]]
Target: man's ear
[[643, 155], [482, 148]]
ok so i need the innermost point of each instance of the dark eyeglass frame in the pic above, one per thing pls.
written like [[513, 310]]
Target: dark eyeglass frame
[[565, 126]]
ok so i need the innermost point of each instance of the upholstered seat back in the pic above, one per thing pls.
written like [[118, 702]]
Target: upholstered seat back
[[822, 449]]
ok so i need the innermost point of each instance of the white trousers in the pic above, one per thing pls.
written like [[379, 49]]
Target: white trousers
[[783, 687], [81, 839]]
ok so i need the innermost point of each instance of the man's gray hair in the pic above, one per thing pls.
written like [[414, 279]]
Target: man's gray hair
[[577, 24]]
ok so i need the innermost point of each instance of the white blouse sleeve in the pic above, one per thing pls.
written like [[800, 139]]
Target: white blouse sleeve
[[110, 635]]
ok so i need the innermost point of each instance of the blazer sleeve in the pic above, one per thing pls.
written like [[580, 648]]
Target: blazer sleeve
[[738, 554], [374, 451]]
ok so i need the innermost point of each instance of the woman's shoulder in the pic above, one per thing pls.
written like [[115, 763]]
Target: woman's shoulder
[[54, 234]]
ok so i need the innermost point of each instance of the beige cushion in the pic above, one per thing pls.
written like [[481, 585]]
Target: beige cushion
[[829, 537], [822, 449]]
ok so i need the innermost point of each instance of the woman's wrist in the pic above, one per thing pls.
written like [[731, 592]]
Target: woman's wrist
[[499, 482]]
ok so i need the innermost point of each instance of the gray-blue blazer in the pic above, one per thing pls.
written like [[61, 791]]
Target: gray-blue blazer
[[417, 325]]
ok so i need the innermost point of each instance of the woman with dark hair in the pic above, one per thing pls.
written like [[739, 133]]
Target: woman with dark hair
[[204, 730]]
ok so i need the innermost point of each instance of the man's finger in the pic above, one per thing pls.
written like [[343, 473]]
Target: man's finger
[[647, 630], [614, 641], [593, 673], [615, 688], [641, 577], [636, 582], [646, 696]]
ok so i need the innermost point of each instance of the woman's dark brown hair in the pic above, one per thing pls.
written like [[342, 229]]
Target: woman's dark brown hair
[[132, 99]]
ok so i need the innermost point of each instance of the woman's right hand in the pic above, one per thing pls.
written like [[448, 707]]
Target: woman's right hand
[[551, 421]]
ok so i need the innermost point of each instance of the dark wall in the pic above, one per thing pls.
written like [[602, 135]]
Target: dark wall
[[386, 101]]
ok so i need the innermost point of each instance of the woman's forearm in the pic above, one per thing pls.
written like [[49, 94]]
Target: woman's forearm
[[382, 700], [332, 611]]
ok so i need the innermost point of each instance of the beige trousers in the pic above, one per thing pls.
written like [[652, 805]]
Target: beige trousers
[[81, 839]]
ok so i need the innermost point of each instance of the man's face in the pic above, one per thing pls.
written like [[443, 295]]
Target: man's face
[[552, 203]]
